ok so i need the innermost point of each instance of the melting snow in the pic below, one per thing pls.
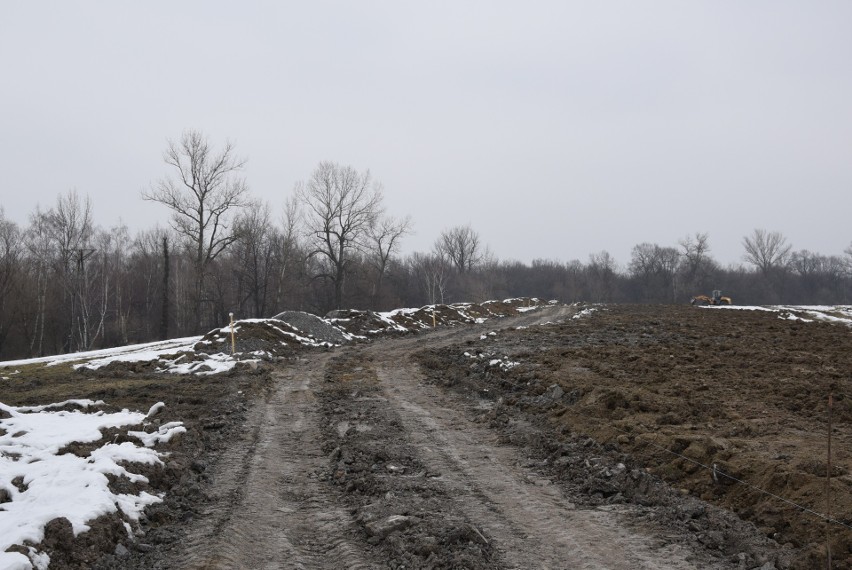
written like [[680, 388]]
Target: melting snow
[[584, 313], [141, 350], [805, 313], [51, 486]]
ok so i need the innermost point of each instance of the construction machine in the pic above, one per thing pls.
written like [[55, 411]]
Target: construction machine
[[716, 299]]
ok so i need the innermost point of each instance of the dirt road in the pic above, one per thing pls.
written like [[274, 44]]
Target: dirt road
[[357, 460]]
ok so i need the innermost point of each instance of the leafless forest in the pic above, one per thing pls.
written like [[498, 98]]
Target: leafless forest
[[68, 283]]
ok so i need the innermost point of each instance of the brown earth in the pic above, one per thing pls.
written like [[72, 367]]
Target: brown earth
[[680, 388], [544, 447]]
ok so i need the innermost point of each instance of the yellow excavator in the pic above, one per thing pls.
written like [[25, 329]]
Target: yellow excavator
[[716, 299]]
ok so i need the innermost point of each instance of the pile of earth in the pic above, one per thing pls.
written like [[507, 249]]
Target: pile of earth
[[268, 338], [290, 333], [314, 327], [401, 321]]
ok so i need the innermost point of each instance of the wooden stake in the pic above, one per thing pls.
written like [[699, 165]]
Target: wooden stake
[[233, 340], [434, 322], [828, 490]]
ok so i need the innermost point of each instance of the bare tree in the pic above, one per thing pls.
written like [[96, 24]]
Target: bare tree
[[115, 284], [694, 250], [147, 265], [71, 226], [340, 205], [202, 196], [385, 236], [766, 250], [72, 230], [10, 251], [164, 293], [602, 275], [462, 246], [42, 254], [254, 251], [290, 259], [655, 268], [808, 264], [696, 263], [434, 272], [10, 259]]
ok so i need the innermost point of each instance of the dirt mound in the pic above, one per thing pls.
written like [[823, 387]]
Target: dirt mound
[[285, 336], [367, 323], [263, 338], [291, 330], [314, 327]]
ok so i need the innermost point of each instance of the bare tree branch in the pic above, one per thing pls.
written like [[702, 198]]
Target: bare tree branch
[[341, 205], [766, 250], [461, 245], [208, 189]]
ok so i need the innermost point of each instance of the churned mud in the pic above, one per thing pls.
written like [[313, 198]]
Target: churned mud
[[559, 438]]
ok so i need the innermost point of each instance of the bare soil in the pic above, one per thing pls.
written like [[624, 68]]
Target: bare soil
[[541, 446]]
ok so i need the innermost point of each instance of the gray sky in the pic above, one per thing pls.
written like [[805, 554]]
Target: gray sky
[[556, 129]]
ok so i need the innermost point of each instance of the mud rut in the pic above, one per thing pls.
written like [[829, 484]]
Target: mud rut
[[282, 500]]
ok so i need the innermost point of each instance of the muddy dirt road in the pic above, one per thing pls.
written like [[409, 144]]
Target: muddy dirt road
[[564, 437], [359, 459]]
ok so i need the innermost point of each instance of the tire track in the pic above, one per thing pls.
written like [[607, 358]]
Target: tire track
[[272, 510], [405, 453], [532, 524]]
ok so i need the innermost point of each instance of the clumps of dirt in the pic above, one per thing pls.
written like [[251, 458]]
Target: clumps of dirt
[[212, 408], [402, 511], [402, 321], [184, 478], [462, 313], [680, 388], [364, 324], [18, 483], [69, 552], [601, 474]]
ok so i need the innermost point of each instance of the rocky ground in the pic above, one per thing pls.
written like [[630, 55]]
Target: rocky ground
[[579, 443]]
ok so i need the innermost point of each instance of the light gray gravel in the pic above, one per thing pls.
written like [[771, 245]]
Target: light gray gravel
[[313, 325]]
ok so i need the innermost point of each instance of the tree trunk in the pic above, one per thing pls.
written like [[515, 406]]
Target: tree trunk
[[164, 317]]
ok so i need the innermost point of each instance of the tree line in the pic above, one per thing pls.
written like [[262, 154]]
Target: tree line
[[67, 284]]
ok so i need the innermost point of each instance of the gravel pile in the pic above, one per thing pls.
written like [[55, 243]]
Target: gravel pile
[[314, 326]]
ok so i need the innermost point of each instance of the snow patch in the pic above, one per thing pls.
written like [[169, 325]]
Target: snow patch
[[50, 486]]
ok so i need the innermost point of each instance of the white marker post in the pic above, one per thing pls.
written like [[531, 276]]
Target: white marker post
[[233, 340]]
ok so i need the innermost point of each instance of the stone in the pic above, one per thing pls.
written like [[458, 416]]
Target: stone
[[382, 528]]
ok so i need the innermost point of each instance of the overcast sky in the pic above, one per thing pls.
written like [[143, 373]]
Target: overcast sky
[[556, 129]]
